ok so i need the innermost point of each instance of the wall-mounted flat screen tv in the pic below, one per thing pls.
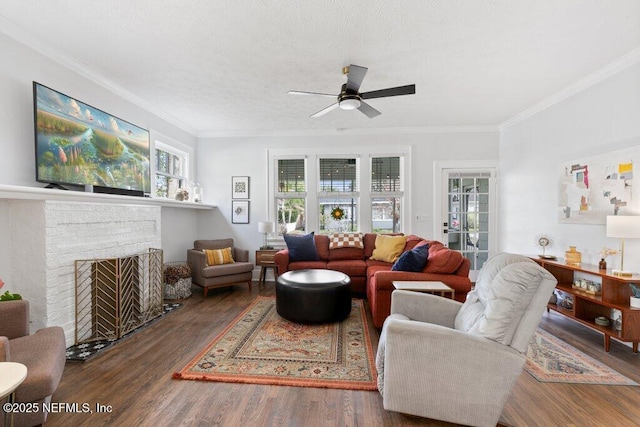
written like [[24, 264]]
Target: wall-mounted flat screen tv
[[77, 144]]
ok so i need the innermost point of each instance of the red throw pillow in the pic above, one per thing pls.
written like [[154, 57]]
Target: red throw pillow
[[444, 261]]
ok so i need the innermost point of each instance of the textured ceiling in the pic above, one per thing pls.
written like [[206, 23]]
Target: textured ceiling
[[221, 67]]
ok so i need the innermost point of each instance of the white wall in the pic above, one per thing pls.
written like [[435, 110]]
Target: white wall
[[217, 159], [20, 67], [602, 118], [221, 158]]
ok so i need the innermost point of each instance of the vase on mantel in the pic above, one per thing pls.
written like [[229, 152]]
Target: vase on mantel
[[572, 256]]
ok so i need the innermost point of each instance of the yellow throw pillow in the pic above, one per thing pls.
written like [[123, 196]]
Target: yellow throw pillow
[[388, 248], [219, 256]]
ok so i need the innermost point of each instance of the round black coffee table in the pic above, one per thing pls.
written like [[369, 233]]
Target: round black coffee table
[[313, 296]]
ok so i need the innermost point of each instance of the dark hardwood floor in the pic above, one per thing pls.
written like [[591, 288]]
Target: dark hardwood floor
[[134, 380]]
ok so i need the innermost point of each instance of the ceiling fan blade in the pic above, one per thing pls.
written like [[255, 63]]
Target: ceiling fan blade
[[368, 110], [355, 77], [325, 110], [298, 92], [393, 91]]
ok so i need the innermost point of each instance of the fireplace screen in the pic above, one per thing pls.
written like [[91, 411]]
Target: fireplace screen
[[117, 295]]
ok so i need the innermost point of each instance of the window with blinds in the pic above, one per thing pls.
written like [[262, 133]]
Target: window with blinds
[[386, 189], [338, 195], [291, 176], [338, 175], [385, 174], [326, 191], [291, 202]]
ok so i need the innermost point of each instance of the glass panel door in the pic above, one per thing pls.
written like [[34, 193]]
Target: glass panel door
[[466, 222]]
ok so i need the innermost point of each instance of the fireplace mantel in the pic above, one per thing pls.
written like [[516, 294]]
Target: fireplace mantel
[[48, 236], [17, 192]]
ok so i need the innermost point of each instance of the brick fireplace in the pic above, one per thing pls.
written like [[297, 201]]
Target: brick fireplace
[[47, 236]]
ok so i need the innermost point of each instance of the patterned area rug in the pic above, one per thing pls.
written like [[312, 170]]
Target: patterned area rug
[[552, 360], [260, 347]]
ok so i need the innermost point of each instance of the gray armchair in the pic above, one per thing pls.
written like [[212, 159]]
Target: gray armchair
[[217, 276], [43, 353], [441, 359]]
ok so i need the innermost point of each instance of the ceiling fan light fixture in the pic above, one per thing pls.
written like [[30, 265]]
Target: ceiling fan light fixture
[[350, 103], [350, 97]]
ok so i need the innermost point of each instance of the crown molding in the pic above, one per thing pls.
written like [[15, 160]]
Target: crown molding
[[10, 29], [345, 131], [608, 70]]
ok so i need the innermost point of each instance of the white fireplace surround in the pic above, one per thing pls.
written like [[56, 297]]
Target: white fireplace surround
[[47, 236]]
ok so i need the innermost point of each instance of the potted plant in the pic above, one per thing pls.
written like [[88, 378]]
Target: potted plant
[[8, 296]]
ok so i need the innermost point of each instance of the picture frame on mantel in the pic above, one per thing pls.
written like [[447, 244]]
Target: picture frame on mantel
[[240, 212], [240, 187]]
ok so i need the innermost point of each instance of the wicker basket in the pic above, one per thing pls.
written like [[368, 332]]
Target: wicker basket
[[177, 280]]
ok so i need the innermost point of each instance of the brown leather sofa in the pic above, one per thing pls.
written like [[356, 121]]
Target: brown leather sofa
[[43, 353], [374, 278]]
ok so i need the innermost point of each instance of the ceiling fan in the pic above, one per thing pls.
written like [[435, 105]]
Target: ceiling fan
[[349, 97]]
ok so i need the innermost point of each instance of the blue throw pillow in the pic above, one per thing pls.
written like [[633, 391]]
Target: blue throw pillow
[[413, 260], [301, 248]]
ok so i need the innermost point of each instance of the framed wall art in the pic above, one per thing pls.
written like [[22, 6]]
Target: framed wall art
[[240, 187], [240, 212], [593, 187]]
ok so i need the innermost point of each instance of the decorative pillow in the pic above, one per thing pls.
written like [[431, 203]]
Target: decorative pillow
[[388, 248], [219, 256], [413, 260], [443, 260], [301, 248], [346, 240]]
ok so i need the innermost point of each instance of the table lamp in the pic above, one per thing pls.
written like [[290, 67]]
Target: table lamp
[[623, 227], [266, 227]]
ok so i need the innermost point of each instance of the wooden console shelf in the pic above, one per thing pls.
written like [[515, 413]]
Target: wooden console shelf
[[586, 306]]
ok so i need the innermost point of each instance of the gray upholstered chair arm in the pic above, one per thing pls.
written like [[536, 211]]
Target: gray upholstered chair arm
[[425, 307], [490, 370], [197, 260], [14, 319], [5, 355], [242, 255]]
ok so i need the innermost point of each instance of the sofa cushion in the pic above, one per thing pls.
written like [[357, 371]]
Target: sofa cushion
[[350, 267], [443, 260], [346, 240], [227, 269], [388, 248], [413, 260], [346, 253], [412, 242], [219, 256], [306, 265], [301, 248], [322, 246], [212, 244]]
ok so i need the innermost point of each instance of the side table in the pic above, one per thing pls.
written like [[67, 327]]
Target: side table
[[264, 259], [424, 286], [12, 374]]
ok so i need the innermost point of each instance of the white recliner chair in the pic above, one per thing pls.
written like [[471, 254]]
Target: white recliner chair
[[445, 360]]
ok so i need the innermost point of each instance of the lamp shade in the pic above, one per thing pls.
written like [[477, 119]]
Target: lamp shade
[[266, 227], [623, 227]]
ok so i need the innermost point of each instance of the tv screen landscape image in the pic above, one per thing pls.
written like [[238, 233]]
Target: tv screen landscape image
[[77, 144]]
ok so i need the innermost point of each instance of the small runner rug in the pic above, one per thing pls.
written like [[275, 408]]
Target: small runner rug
[[552, 360], [260, 347]]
